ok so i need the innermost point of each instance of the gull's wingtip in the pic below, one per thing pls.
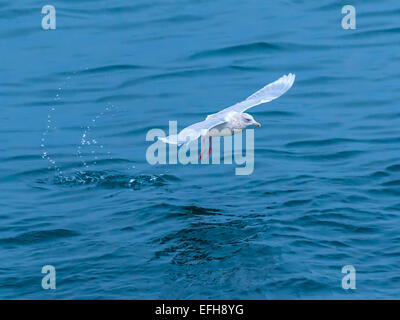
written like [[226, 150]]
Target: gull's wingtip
[[290, 78]]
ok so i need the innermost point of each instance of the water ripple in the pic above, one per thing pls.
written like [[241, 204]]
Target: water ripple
[[111, 180]]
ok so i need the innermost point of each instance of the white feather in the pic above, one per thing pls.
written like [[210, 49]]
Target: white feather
[[268, 93]]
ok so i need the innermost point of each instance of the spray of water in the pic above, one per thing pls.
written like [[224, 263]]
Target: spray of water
[[50, 127], [87, 141], [91, 143]]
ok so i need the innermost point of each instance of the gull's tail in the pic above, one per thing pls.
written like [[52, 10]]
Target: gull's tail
[[172, 139]]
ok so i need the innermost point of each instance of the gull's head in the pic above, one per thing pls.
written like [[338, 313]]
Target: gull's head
[[248, 120]]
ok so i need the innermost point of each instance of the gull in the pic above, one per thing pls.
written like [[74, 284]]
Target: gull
[[233, 119]]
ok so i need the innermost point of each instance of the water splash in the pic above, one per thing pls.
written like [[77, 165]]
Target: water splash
[[87, 140], [112, 180], [51, 126]]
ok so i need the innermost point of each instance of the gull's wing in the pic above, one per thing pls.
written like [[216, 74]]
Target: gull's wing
[[268, 93], [194, 131]]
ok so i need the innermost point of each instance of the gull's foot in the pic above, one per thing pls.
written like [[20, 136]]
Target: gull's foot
[[209, 148]]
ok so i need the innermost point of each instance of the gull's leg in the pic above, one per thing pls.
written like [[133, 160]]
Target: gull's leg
[[209, 147], [202, 147]]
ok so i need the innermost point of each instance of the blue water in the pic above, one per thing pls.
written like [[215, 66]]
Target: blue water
[[76, 191]]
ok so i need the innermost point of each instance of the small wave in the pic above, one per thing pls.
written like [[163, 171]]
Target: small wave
[[318, 143], [394, 168], [39, 236], [186, 73], [110, 68], [182, 18], [391, 183], [294, 203], [375, 32], [200, 210], [378, 174], [100, 69], [342, 155], [238, 49]]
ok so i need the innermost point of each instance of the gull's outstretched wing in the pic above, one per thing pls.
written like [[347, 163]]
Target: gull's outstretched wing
[[268, 93], [194, 131]]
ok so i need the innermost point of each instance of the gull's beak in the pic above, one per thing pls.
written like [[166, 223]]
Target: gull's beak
[[257, 124]]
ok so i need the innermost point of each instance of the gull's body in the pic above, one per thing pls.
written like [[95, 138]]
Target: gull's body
[[233, 119]]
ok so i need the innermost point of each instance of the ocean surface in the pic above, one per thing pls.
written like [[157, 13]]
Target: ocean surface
[[77, 193]]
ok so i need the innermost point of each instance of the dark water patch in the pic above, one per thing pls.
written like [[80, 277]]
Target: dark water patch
[[356, 199], [257, 47], [17, 12], [206, 242], [340, 213], [391, 183], [129, 8], [200, 210], [308, 243], [332, 256], [386, 140], [334, 243], [372, 33], [383, 116], [384, 192], [181, 18], [336, 224], [21, 158], [118, 9], [110, 68], [186, 74], [247, 68], [341, 155], [25, 174], [318, 143], [367, 127], [394, 168], [279, 192], [276, 114], [295, 203], [99, 70], [378, 13], [277, 153], [39, 236]]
